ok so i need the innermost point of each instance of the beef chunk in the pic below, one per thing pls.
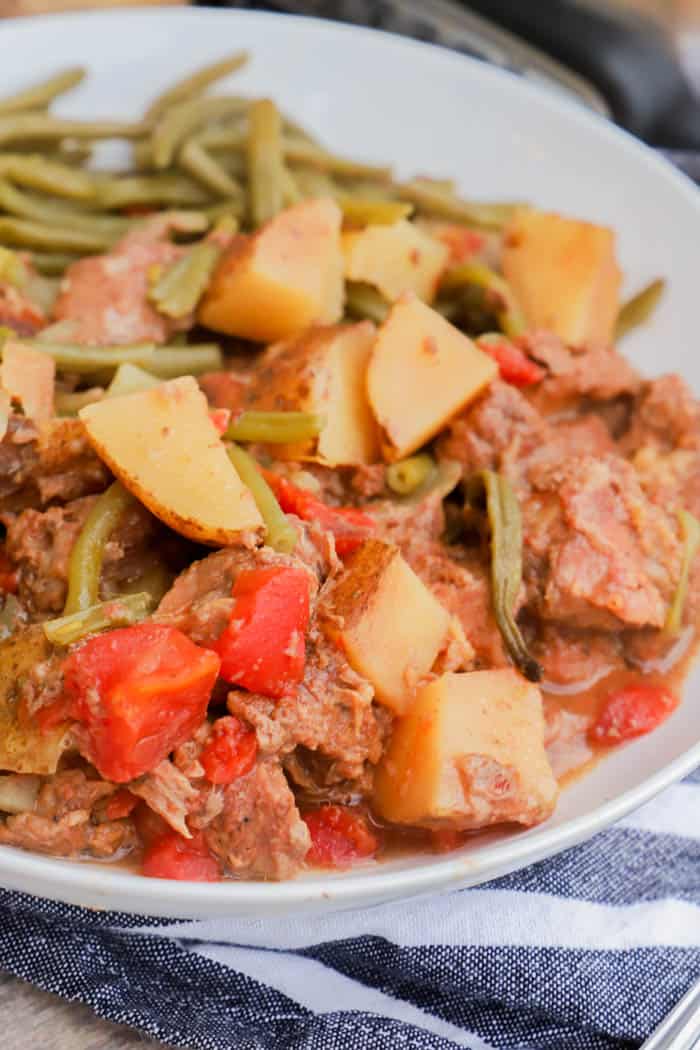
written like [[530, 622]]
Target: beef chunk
[[259, 832], [578, 374], [597, 552], [65, 821]]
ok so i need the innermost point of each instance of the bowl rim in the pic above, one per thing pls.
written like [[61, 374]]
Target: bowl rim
[[59, 878]]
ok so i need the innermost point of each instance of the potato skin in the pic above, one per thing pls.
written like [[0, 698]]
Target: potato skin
[[164, 448]]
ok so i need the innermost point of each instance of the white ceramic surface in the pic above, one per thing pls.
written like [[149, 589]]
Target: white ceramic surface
[[427, 110]]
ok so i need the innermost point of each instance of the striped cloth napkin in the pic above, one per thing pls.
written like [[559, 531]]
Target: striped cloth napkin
[[586, 951]]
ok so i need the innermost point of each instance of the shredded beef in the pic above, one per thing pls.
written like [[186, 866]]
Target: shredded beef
[[259, 832], [65, 820], [597, 552], [576, 375]]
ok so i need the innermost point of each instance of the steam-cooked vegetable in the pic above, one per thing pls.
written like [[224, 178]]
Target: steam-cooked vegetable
[[265, 161], [394, 651], [407, 475], [85, 565], [284, 278], [639, 309], [394, 259], [280, 534], [170, 457], [422, 371], [504, 517], [276, 428], [196, 83], [24, 747], [468, 753], [564, 275], [180, 288], [324, 371], [118, 612]]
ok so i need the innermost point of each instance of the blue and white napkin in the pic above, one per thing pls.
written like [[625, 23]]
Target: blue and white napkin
[[586, 951]]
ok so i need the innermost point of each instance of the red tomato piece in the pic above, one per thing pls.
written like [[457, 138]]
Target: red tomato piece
[[338, 837], [140, 692], [350, 526], [264, 647], [173, 857], [220, 417], [122, 804], [230, 751], [8, 576], [462, 242], [631, 712], [514, 365], [149, 824]]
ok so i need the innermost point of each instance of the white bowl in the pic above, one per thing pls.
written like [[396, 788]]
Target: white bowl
[[431, 111]]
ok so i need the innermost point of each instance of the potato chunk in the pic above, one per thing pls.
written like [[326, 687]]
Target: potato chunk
[[164, 448], [27, 375], [282, 279], [324, 371], [564, 274], [421, 373], [469, 753], [388, 623], [26, 748], [395, 259]]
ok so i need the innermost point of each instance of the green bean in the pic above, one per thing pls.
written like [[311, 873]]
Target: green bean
[[52, 264], [118, 612], [276, 427], [91, 360], [85, 563], [225, 210], [365, 302], [170, 189], [225, 139], [281, 534], [405, 476], [503, 512], [28, 206], [203, 167], [359, 212], [182, 285], [131, 379], [690, 534], [40, 95], [28, 127], [196, 83], [169, 363], [313, 183], [291, 194], [48, 176], [181, 121], [438, 484], [637, 310], [69, 403], [297, 152], [508, 312], [26, 234], [433, 200], [12, 268], [265, 162]]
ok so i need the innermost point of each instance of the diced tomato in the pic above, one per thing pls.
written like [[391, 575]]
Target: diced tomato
[[230, 751], [8, 576], [462, 242], [338, 837], [350, 526], [220, 417], [173, 857], [264, 647], [122, 804], [140, 692], [149, 824], [631, 712], [514, 365]]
